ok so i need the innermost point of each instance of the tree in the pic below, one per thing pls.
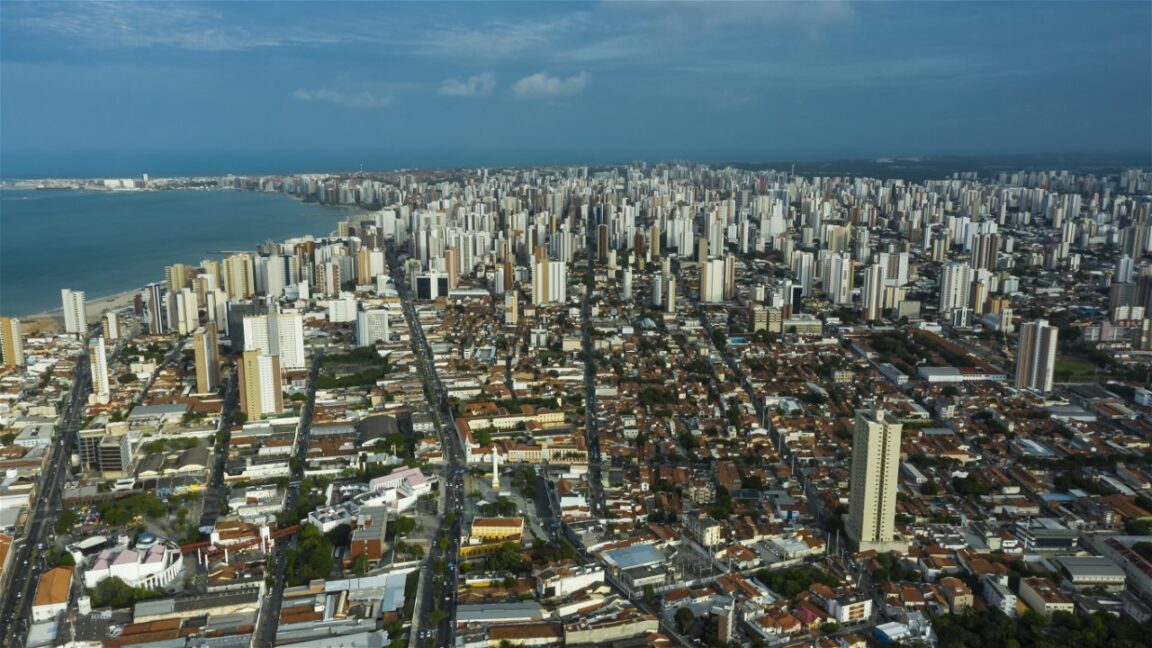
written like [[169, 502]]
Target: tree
[[684, 619], [360, 564], [341, 536], [7, 438], [112, 592], [126, 378], [404, 525], [311, 557], [65, 521]]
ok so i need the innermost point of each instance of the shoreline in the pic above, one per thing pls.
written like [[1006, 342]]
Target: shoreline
[[115, 301], [94, 308]]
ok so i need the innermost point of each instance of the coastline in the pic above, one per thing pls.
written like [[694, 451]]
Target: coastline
[[94, 309], [309, 218]]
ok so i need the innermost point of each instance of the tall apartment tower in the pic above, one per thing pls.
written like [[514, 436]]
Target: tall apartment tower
[[955, 287], [205, 345], [1036, 356], [279, 334], [11, 343], [111, 325], [511, 308], [75, 313], [157, 314], [875, 473], [452, 263], [712, 281], [872, 293], [549, 282], [838, 282], [239, 276], [372, 325], [98, 359], [260, 393]]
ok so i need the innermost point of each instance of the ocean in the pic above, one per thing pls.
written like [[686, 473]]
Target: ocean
[[109, 242]]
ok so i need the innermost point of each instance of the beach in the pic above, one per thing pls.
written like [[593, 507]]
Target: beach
[[53, 321]]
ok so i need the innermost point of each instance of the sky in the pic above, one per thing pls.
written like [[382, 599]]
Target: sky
[[427, 83]]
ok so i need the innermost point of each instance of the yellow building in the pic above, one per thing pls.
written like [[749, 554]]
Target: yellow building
[[497, 529]]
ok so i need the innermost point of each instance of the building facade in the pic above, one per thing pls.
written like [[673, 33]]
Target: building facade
[[875, 473]]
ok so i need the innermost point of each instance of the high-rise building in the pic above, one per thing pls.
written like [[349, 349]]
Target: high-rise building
[[186, 311], [872, 293], [178, 276], [511, 308], [803, 264], [875, 473], [452, 263], [670, 302], [239, 276], [279, 334], [955, 287], [838, 281], [75, 311], [372, 325], [98, 366], [1036, 356], [549, 282], [729, 276], [260, 393], [985, 251], [157, 314], [712, 277], [111, 325], [207, 356], [11, 342]]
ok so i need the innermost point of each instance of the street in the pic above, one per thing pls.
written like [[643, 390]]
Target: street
[[27, 563]]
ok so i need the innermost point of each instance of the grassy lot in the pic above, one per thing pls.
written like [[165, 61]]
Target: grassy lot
[[1071, 369]]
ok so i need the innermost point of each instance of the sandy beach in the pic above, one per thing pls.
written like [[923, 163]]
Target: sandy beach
[[53, 320]]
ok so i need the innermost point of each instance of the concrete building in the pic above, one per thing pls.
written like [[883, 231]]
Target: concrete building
[[98, 357], [260, 393], [207, 356], [955, 287], [875, 473], [52, 593], [11, 342], [1092, 571], [998, 595], [712, 281], [1036, 356], [1044, 597], [75, 311], [497, 529], [371, 326], [111, 326], [511, 308], [150, 564], [549, 282], [279, 334]]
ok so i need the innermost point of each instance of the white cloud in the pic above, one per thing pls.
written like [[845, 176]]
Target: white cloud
[[171, 25], [498, 38], [362, 99], [479, 85], [540, 86]]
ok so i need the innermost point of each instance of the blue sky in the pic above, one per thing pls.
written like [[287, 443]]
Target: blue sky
[[557, 82]]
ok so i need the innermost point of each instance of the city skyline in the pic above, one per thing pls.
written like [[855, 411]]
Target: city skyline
[[561, 82]]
